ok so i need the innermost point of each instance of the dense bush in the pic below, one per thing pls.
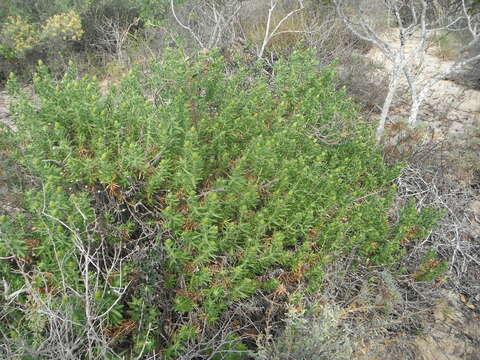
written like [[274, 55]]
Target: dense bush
[[164, 204]]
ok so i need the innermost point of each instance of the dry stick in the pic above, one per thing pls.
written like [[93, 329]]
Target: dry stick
[[189, 29], [91, 318], [269, 35], [452, 229], [220, 24], [219, 29]]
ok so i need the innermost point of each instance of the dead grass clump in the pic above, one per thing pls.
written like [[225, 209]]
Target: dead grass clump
[[456, 237]]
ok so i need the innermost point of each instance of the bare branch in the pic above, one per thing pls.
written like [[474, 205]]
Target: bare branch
[[189, 29], [271, 34]]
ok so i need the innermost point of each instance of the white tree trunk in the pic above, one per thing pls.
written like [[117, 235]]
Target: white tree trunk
[[417, 102], [392, 90]]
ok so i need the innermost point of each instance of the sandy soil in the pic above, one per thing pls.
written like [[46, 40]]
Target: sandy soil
[[8, 187]]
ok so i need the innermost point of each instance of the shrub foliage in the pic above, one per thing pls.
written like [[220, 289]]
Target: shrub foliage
[[213, 187]]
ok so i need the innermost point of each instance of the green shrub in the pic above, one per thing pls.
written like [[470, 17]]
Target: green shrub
[[20, 37], [431, 267], [26, 38], [223, 184]]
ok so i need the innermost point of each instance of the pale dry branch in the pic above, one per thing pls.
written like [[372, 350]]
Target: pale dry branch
[[217, 22], [269, 34], [114, 36], [189, 29]]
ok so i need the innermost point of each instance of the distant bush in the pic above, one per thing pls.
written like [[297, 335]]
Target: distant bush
[[17, 37], [41, 31], [470, 76], [165, 204], [456, 45], [56, 31]]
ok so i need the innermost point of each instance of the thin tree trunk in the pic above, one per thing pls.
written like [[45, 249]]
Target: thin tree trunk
[[418, 99], [392, 89], [415, 109]]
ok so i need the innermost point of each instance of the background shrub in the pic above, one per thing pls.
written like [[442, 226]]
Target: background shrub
[[87, 32]]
